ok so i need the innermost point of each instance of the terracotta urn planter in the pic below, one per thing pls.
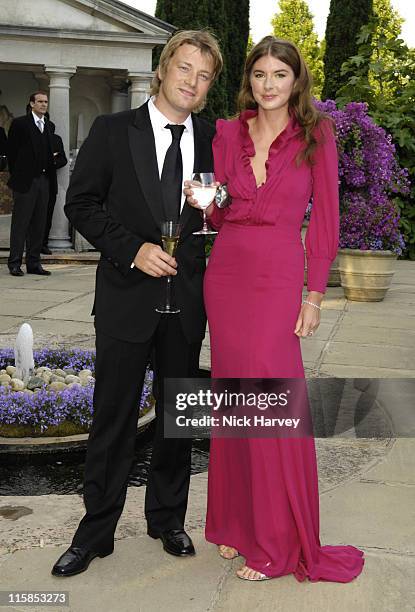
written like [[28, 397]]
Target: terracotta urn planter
[[366, 275]]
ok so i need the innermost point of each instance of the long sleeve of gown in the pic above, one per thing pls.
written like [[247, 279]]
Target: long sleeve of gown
[[219, 145], [322, 238]]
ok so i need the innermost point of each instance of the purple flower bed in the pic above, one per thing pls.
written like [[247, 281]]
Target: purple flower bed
[[370, 177], [76, 358], [46, 408]]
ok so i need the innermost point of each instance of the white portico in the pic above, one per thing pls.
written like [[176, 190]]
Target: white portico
[[92, 56]]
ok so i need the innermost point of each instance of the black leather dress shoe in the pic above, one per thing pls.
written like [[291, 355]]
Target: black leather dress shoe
[[74, 561], [16, 271], [39, 270], [175, 541], [45, 250]]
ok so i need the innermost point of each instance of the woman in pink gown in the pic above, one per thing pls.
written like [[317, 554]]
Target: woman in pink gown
[[263, 499]]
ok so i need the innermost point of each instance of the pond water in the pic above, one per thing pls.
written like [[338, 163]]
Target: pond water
[[62, 473]]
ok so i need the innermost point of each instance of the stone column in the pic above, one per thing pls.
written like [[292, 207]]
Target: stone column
[[119, 94], [59, 78], [140, 87]]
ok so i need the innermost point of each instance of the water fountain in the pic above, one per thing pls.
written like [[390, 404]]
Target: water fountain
[[46, 397], [23, 353]]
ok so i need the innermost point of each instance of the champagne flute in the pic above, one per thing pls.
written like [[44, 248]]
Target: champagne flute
[[170, 233], [204, 190]]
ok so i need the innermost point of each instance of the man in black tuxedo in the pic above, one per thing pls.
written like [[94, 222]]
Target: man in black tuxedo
[[127, 180], [30, 157], [59, 161]]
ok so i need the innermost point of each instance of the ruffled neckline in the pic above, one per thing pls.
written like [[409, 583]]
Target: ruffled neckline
[[248, 148], [291, 129]]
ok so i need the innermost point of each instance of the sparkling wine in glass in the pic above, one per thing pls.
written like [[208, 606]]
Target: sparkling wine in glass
[[204, 191], [170, 233]]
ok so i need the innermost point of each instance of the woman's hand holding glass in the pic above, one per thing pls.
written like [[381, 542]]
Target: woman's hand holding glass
[[189, 193]]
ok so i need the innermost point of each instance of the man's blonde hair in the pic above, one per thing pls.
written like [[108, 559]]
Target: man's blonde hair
[[202, 39]]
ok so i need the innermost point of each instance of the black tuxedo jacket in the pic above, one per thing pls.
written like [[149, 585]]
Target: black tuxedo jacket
[[114, 200], [23, 152]]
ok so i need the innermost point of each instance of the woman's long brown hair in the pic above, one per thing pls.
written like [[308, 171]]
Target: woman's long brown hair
[[300, 102]]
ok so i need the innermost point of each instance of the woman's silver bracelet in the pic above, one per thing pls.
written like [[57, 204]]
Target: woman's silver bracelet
[[311, 304]]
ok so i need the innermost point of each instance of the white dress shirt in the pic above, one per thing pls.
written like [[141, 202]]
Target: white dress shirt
[[163, 139], [37, 119]]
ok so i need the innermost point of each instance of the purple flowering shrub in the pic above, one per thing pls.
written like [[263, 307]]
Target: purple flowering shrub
[[370, 177], [45, 409]]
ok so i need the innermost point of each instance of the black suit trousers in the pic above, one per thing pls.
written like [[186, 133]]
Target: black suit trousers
[[49, 216], [28, 223], [120, 368]]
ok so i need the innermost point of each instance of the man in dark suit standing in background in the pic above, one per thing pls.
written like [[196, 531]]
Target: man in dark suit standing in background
[[30, 157], [127, 180], [59, 160]]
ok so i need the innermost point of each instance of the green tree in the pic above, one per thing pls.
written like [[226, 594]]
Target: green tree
[[388, 26], [396, 113], [294, 21], [217, 23], [237, 18], [344, 21], [249, 45]]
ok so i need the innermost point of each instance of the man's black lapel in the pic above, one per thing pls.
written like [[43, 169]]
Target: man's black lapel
[[143, 152], [203, 161], [32, 127]]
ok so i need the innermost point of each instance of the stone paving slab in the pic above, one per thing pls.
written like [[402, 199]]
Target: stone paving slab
[[80, 278], [53, 518], [49, 329], [8, 322], [387, 320], [330, 316], [137, 577], [9, 306], [399, 286], [52, 340], [78, 309], [40, 294], [364, 334], [397, 466], [397, 401], [351, 371], [399, 297], [385, 585], [372, 515], [325, 329], [345, 353], [311, 351], [382, 308]]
